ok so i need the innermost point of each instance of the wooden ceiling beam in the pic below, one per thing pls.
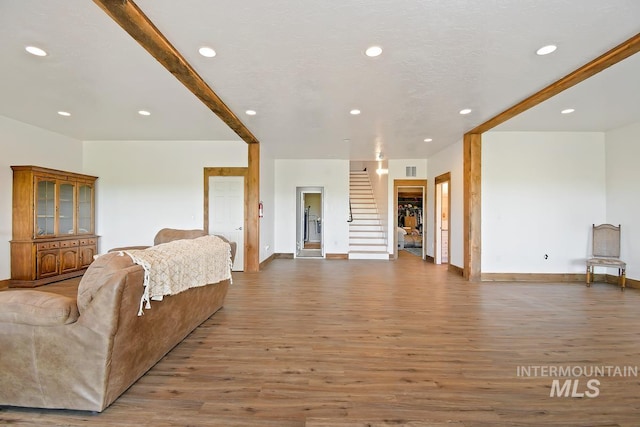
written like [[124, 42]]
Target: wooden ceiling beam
[[131, 18], [622, 51]]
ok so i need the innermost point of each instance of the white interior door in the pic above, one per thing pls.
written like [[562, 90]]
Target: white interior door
[[226, 212]]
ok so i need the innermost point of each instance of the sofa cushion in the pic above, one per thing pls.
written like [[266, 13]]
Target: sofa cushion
[[31, 307], [98, 274]]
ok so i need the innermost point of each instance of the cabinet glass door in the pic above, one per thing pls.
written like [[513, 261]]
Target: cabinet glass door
[[66, 213], [85, 208], [45, 207]]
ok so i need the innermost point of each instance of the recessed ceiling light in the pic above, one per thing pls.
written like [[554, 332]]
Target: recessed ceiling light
[[373, 51], [428, 139], [144, 113], [465, 111], [354, 112], [64, 113], [207, 52], [545, 50], [567, 111], [35, 51], [250, 112]]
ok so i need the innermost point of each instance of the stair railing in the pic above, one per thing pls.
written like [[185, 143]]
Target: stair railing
[[350, 212]]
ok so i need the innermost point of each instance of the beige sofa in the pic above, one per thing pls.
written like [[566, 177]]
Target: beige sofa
[[59, 352]]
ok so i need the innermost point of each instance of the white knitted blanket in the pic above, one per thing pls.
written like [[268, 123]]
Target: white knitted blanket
[[173, 267]]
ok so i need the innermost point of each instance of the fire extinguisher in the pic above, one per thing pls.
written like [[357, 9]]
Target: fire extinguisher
[[260, 210]]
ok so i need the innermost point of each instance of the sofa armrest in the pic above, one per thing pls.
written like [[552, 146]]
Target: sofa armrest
[[37, 308]]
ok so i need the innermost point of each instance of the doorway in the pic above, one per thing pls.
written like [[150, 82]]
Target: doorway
[[442, 218], [226, 212], [309, 226], [410, 204]]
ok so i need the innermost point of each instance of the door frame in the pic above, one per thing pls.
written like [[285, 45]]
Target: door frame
[[408, 183], [231, 171], [437, 211], [300, 192]]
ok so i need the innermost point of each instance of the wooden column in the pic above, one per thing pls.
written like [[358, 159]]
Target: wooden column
[[472, 205], [252, 221]]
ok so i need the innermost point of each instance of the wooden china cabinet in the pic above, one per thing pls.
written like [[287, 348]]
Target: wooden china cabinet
[[53, 225]]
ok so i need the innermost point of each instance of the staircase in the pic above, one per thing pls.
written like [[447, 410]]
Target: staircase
[[366, 233]]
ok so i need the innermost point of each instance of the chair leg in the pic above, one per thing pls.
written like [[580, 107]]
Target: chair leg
[[588, 278], [623, 279]]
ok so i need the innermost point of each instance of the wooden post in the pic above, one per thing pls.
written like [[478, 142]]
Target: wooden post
[[252, 220], [472, 205]]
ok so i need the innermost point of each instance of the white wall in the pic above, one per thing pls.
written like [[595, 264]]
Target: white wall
[[333, 175], [397, 170], [23, 144], [448, 160], [144, 186], [267, 172], [541, 192], [623, 192]]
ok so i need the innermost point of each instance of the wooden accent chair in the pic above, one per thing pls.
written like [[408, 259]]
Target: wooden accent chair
[[606, 252]]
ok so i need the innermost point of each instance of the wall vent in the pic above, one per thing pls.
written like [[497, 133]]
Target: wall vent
[[411, 171]]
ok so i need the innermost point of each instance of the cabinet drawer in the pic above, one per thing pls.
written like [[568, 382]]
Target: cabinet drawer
[[84, 242], [68, 243], [47, 245]]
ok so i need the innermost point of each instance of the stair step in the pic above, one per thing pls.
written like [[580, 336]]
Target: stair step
[[363, 247], [360, 212], [369, 255], [363, 234], [357, 226], [378, 240], [367, 234], [364, 215], [362, 221]]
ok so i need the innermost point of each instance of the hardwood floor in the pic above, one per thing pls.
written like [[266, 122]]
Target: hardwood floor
[[372, 343]]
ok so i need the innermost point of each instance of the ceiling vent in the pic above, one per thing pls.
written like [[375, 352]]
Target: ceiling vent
[[411, 171]]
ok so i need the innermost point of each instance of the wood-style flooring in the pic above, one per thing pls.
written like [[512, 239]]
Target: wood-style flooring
[[337, 343]]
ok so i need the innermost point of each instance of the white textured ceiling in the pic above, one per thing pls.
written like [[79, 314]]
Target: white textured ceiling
[[300, 65]]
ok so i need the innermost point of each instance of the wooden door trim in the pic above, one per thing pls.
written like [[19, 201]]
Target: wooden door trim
[[223, 171], [406, 183], [445, 177]]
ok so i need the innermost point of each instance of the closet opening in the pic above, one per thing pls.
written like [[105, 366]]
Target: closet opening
[[410, 205]]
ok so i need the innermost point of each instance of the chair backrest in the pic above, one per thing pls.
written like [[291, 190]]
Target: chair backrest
[[606, 240]]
